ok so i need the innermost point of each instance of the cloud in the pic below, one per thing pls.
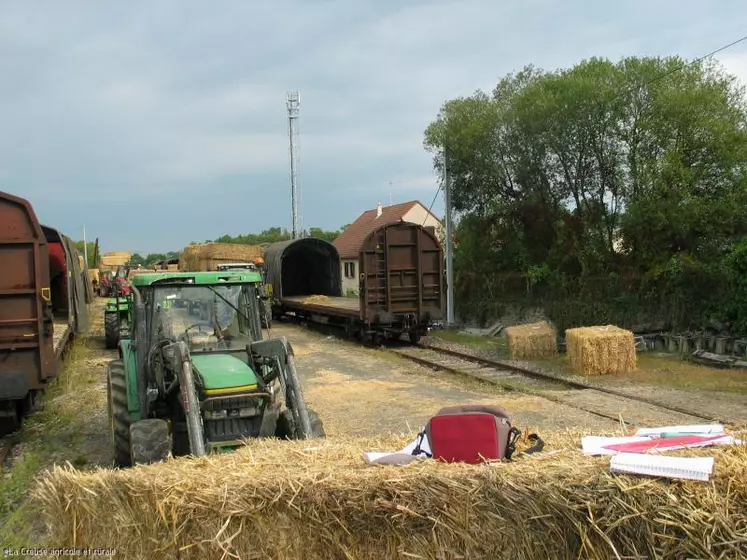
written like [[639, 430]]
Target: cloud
[[174, 111]]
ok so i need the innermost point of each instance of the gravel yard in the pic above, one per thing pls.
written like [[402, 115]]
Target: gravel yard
[[360, 391]]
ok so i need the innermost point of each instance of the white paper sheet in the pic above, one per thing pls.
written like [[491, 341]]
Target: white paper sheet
[[699, 429], [402, 457], [691, 468]]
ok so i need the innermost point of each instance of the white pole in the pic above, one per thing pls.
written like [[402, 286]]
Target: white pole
[[448, 248], [85, 247]]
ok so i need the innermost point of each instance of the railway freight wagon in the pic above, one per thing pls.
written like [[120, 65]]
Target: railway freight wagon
[[43, 297], [401, 283]]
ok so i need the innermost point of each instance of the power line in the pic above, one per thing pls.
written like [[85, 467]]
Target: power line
[[686, 64], [658, 78], [435, 196]]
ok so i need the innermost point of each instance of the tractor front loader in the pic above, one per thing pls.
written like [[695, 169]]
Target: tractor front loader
[[191, 385]]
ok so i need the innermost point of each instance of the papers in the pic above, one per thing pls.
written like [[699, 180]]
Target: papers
[[637, 454], [402, 457], [652, 440], [596, 445], [701, 429], [654, 445], [691, 468]]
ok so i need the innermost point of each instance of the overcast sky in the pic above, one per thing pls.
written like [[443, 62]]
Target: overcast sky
[[157, 123]]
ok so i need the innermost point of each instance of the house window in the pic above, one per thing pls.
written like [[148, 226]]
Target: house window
[[350, 269]]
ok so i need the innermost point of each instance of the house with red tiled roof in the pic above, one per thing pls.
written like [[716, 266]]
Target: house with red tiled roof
[[349, 242]]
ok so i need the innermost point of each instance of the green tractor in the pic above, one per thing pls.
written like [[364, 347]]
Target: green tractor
[[118, 310], [196, 376]]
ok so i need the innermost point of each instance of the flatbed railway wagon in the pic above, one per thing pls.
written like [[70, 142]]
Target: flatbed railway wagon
[[401, 283], [44, 294]]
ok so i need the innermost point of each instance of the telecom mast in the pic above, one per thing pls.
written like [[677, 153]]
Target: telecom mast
[[292, 103]]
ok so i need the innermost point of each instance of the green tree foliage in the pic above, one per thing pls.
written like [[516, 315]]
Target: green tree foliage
[[90, 249], [276, 234], [634, 169]]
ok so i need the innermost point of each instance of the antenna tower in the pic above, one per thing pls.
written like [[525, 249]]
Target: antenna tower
[[293, 102]]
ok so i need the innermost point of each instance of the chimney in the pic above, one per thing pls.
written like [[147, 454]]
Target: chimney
[[378, 210]]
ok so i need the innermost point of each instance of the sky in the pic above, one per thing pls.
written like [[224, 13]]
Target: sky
[[158, 123]]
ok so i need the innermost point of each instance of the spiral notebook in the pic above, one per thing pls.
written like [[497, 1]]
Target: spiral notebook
[[691, 468]]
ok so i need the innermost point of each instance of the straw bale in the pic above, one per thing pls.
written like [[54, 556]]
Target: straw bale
[[114, 259], [316, 299], [601, 350], [320, 499], [207, 256], [534, 341]]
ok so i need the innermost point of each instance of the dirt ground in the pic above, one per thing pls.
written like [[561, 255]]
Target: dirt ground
[[355, 391], [359, 391]]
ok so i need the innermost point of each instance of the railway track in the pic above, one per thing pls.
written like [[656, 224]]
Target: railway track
[[603, 402]]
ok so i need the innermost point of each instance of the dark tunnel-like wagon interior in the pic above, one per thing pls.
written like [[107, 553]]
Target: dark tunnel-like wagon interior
[[305, 266]]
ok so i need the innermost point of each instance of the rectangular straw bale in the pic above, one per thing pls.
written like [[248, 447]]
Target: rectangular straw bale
[[321, 500], [534, 341], [207, 256], [601, 350]]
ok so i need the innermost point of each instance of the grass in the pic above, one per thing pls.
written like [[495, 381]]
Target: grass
[[654, 368], [50, 435], [667, 370], [478, 342]]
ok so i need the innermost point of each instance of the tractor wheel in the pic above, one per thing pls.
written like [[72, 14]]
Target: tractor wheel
[[150, 441], [317, 427], [111, 329], [286, 427], [119, 416]]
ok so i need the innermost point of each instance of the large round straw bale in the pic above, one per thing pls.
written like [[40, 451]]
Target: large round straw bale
[[534, 341], [321, 500], [601, 350]]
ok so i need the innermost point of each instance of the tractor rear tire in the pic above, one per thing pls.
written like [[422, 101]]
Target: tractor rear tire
[[119, 416], [150, 441], [111, 330]]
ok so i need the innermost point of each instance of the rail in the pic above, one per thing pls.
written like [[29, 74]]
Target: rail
[[515, 378]]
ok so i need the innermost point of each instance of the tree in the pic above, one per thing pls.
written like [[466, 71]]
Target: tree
[[90, 250], [638, 166]]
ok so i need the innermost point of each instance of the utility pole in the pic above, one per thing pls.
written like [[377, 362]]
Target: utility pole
[[292, 104], [85, 247], [448, 246]]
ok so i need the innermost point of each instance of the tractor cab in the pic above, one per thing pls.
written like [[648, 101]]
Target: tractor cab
[[197, 375], [222, 317]]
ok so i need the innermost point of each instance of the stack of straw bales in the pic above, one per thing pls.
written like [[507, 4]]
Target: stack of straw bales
[[207, 256], [310, 500], [113, 259], [601, 350], [535, 341]]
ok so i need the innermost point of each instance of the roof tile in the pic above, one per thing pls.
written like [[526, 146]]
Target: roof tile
[[349, 242]]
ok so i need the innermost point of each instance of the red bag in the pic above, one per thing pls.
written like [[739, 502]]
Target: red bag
[[471, 434]]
